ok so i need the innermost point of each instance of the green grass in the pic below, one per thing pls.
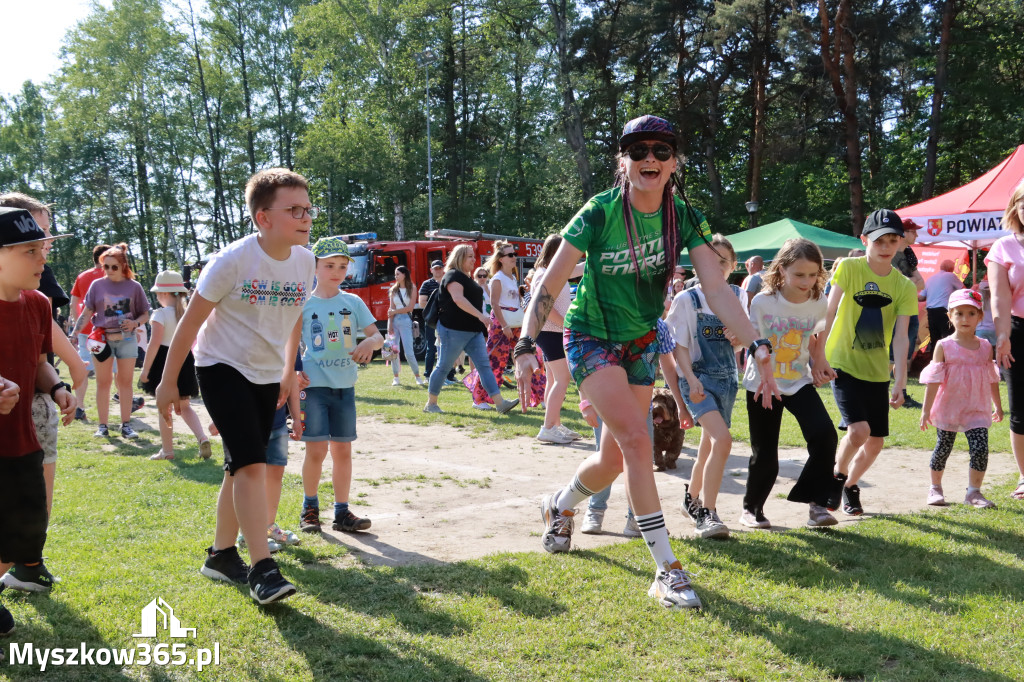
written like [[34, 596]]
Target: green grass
[[937, 595]]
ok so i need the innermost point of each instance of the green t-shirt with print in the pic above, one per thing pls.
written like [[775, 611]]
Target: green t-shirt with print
[[609, 302], [859, 340]]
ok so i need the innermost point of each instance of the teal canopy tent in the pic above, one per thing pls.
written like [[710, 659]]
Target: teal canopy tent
[[765, 241]]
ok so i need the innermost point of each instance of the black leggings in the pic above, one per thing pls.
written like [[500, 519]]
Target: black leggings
[[1015, 376], [977, 444], [816, 478]]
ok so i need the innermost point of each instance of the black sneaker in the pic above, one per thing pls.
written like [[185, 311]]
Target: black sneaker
[[29, 578], [309, 520], [225, 565], [835, 495], [102, 431], [6, 621], [128, 432], [691, 505], [350, 523], [138, 403], [910, 403], [117, 398], [266, 584], [80, 414], [851, 501]]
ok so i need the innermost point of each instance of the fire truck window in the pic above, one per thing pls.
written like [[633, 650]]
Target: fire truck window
[[384, 266]]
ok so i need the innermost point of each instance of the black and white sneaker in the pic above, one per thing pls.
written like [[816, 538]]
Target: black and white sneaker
[[709, 525], [128, 432], [835, 494], [266, 584], [851, 501], [225, 565], [102, 431], [80, 414], [29, 578], [691, 505]]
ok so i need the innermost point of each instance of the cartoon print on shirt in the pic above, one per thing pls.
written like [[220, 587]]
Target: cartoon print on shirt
[[786, 354], [869, 332], [338, 342]]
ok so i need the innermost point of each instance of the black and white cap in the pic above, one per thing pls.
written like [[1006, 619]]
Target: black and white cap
[[18, 227]]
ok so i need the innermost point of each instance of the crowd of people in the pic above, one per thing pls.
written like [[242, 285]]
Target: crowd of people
[[267, 332]]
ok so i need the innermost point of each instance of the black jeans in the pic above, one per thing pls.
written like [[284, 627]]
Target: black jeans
[[430, 335], [815, 480]]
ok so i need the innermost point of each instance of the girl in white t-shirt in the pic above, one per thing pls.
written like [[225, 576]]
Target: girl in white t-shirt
[[403, 302], [790, 312], [170, 294]]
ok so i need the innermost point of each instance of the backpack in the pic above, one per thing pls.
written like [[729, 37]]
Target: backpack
[[432, 310]]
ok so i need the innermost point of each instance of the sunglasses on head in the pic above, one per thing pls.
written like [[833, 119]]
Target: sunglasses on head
[[111, 268], [639, 151]]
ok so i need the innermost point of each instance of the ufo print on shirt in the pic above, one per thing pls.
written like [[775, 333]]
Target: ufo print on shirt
[[869, 332]]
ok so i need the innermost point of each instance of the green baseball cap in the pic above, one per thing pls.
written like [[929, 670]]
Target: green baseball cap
[[329, 247]]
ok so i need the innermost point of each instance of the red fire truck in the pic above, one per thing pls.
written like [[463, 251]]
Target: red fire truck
[[372, 271]]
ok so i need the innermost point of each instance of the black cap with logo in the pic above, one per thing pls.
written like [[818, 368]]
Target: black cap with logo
[[18, 227], [881, 222]]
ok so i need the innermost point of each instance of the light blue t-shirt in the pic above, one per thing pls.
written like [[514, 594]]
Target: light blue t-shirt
[[329, 329]]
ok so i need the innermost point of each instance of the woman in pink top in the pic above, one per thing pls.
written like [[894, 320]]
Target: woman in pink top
[[963, 384], [1005, 263]]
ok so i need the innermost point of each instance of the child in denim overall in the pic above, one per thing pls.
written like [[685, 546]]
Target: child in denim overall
[[708, 385]]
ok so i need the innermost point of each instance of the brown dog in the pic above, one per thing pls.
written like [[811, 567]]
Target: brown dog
[[668, 437]]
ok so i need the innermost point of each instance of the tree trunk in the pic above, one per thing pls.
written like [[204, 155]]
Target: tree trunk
[[949, 11], [246, 90], [837, 47], [572, 121], [399, 221]]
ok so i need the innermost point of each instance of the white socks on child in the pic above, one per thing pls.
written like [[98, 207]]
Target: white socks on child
[[572, 495], [652, 527]]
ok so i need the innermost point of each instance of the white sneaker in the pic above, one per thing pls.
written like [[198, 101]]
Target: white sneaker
[[272, 544], [282, 537], [420, 381], [569, 432], [553, 435], [479, 406], [395, 382], [671, 587], [557, 526], [592, 521], [632, 530]]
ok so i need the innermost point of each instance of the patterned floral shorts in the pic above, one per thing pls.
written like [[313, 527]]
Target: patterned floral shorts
[[587, 354], [45, 418]]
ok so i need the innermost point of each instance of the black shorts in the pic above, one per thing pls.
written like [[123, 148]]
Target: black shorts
[[1015, 376], [551, 345], [22, 508], [862, 401], [242, 411]]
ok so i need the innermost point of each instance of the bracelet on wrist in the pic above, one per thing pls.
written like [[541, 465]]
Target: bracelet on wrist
[[525, 346]]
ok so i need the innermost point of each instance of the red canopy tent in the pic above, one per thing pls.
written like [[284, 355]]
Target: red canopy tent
[[969, 215]]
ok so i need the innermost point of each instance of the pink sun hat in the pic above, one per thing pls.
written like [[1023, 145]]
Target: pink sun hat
[[965, 297]]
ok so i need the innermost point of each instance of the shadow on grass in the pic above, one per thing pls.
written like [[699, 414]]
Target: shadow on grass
[[844, 653], [907, 572], [406, 593], [70, 631], [333, 655]]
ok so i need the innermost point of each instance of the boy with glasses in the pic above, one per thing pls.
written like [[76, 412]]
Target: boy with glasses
[[257, 285]]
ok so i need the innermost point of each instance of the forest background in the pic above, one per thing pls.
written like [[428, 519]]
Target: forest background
[[818, 111]]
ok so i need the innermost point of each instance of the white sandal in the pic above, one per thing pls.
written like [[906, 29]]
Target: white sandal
[[162, 455]]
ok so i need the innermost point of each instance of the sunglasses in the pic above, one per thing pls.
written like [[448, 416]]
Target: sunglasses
[[481, 276], [111, 268], [639, 152], [298, 211], [506, 255]]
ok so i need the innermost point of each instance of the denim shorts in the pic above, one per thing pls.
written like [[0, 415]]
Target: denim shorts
[[125, 349], [587, 354], [719, 395], [329, 414], [277, 448]]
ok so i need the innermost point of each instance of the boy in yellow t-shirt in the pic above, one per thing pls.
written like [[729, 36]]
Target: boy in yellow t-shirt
[[869, 307]]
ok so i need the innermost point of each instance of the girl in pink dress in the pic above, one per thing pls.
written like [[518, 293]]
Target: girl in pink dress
[[963, 385]]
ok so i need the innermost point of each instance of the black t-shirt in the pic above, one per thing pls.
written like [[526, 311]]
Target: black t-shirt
[[49, 287], [454, 317], [428, 287]]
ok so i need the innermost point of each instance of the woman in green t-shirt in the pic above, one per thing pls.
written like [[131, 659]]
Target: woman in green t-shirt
[[631, 235]]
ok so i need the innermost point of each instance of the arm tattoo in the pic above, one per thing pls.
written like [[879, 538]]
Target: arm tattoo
[[79, 323], [545, 302]]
